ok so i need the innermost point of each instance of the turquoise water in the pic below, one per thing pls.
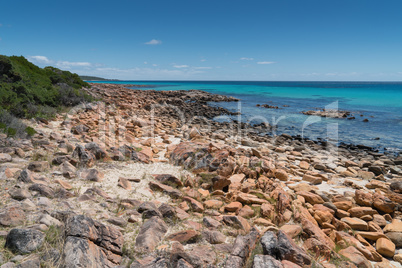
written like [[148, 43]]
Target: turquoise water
[[379, 102]]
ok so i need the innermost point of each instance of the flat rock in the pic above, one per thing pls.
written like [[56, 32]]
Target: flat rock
[[12, 216], [355, 223]]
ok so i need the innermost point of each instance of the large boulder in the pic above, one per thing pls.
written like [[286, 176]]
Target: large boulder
[[24, 241], [89, 243]]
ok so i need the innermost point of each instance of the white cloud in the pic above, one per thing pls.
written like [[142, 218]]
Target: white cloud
[[265, 62], [202, 68], [245, 58], [72, 64], [39, 59], [203, 60], [154, 65], [181, 66], [154, 42], [43, 60], [145, 62]]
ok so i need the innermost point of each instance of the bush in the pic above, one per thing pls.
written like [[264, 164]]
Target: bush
[[28, 91], [14, 127]]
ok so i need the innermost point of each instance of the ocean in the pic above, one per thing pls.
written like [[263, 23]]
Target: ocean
[[378, 102]]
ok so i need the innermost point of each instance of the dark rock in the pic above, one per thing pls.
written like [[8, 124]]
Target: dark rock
[[96, 150], [39, 166], [168, 179], [26, 176], [149, 210], [24, 241], [269, 243], [89, 243], [288, 250], [172, 192], [167, 211], [19, 193], [42, 189]]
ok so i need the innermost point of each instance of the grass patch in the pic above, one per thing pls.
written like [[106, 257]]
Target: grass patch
[[6, 254]]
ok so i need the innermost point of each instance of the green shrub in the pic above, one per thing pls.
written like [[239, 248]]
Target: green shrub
[[28, 91], [30, 131]]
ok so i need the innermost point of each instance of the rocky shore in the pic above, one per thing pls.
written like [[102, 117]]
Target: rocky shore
[[145, 178]]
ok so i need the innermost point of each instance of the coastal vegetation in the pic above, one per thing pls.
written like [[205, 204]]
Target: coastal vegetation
[[28, 91]]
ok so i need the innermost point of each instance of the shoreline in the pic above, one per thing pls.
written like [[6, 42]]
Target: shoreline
[[147, 178]]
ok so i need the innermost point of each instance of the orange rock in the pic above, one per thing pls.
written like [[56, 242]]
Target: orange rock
[[385, 247], [233, 207], [216, 204]]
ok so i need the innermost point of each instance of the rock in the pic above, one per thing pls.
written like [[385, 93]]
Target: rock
[[373, 236], [313, 231], [344, 205], [149, 210], [266, 261], [31, 263], [242, 247], [156, 186], [167, 211], [39, 166], [64, 184], [394, 226], [211, 223], [214, 237], [93, 175], [377, 170], [151, 232], [19, 193], [356, 257], [246, 212], [194, 204], [168, 179], [5, 158], [385, 247], [237, 222], [396, 238], [396, 186], [49, 221], [184, 237], [282, 175], [89, 243], [80, 129], [96, 150], [312, 179], [24, 241], [215, 204], [311, 198], [361, 211], [288, 250], [355, 223], [12, 216], [42, 189], [233, 207], [124, 183], [68, 170], [292, 230], [383, 204], [26, 176], [269, 242], [118, 221]]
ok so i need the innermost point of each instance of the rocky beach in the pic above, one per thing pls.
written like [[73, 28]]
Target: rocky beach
[[145, 178]]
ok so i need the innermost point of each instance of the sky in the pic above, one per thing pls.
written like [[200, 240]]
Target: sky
[[264, 40]]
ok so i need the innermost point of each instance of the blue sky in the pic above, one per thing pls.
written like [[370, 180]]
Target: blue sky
[[353, 40]]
